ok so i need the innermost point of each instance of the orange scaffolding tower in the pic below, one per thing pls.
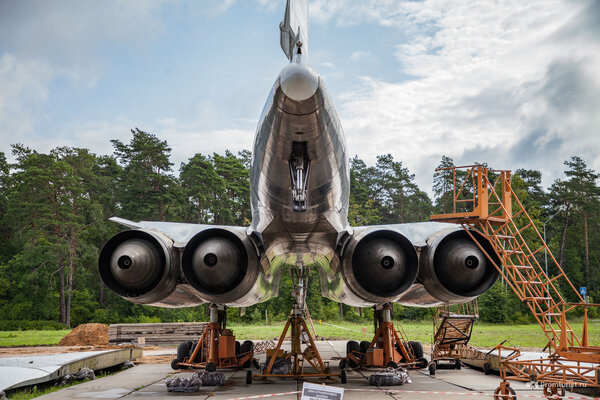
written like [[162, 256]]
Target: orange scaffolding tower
[[484, 201]]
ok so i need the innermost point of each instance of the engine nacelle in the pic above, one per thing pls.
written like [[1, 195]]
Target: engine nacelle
[[377, 266], [142, 266], [223, 267], [453, 269]]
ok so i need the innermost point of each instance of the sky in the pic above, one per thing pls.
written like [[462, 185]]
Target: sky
[[513, 83]]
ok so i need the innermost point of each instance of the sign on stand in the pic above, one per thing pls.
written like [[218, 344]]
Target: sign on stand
[[310, 391]]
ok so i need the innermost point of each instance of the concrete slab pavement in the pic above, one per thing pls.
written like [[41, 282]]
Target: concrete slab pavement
[[147, 381]]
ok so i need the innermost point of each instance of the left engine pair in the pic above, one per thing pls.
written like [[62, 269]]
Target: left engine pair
[[217, 265]]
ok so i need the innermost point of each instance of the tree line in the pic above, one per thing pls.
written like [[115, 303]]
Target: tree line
[[54, 208]]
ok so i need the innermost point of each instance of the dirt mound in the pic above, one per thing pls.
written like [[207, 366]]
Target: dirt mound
[[86, 335]]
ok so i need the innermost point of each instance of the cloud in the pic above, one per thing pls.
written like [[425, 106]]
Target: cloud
[[511, 83], [358, 56], [23, 87]]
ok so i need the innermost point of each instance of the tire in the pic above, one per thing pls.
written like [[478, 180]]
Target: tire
[[247, 347], [174, 364], [237, 347], [210, 367], [417, 349], [183, 350], [364, 346], [432, 369], [422, 363], [392, 364], [198, 356], [255, 363], [343, 363], [403, 359], [248, 377], [487, 369], [343, 376], [457, 364], [511, 395], [350, 347]]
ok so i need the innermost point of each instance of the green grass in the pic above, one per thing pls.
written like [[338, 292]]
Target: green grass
[[31, 338], [484, 335]]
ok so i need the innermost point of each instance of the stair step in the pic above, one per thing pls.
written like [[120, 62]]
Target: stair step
[[531, 282], [520, 266], [511, 252], [537, 298]]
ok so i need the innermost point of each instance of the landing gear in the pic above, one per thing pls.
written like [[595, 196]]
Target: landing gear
[[216, 348], [386, 349], [283, 364]]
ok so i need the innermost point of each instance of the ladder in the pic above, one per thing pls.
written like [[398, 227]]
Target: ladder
[[484, 201]]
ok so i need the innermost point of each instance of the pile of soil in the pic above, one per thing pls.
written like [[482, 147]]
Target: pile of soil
[[86, 335]]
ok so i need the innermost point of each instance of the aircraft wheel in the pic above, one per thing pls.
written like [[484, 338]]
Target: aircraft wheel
[[350, 347], [183, 350], [210, 367], [417, 349], [247, 347], [343, 376], [364, 346]]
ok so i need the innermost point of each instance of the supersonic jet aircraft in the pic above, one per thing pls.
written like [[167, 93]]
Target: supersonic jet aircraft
[[300, 186]]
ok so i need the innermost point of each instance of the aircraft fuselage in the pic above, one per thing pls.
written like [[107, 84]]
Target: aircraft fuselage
[[299, 137]]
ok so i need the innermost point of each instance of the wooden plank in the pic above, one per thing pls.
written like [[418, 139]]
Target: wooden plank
[[156, 333]]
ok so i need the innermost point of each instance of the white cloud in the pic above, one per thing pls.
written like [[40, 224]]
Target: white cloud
[[23, 87], [512, 83], [358, 56]]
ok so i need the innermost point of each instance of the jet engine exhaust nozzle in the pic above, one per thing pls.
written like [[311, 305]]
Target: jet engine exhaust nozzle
[[381, 266], [218, 265], [138, 265]]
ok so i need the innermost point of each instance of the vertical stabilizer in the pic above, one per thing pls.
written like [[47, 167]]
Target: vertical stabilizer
[[294, 31]]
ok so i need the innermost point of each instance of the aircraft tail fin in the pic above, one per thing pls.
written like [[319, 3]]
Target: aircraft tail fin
[[294, 30]]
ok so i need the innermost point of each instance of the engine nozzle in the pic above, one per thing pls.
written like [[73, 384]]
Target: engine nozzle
[[138, 265], [216, 262], [380, 266]]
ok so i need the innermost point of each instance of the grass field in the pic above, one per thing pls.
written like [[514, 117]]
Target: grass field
[[485, 335], [31, 338]]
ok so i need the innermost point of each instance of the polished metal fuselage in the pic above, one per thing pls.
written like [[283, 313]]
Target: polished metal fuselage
[[312, 121]]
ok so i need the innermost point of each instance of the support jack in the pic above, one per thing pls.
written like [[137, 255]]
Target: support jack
[[217, 348], [296, 363], [389, 347]]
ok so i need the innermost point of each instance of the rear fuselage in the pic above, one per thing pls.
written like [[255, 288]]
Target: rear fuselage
[[299, 121]]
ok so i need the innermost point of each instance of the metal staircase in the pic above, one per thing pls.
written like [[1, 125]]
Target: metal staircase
[[485, 202]]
